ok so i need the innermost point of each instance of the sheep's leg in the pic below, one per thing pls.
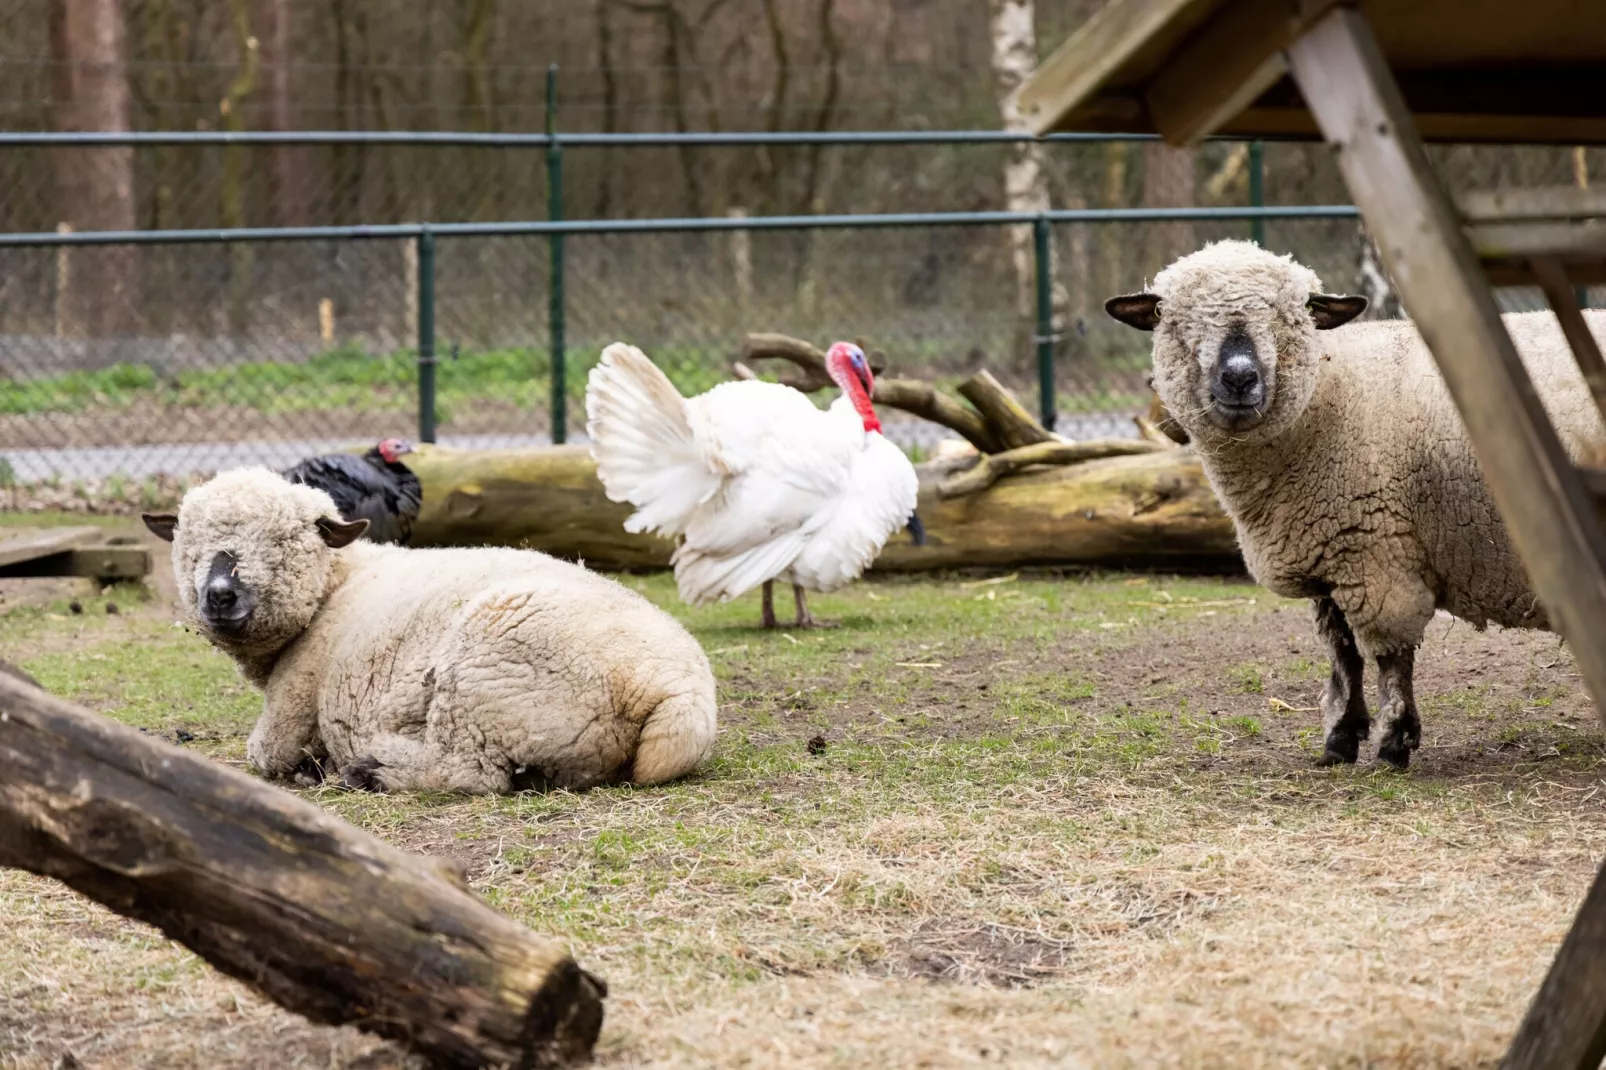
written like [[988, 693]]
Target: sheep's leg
[[768, 620], [1344, 716], [1402, 729], [285, 739], [805, 619]]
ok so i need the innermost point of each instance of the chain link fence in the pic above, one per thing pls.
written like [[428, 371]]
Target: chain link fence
[[132, 363]]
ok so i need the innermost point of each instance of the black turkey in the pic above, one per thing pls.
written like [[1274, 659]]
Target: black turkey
[[375, 487]]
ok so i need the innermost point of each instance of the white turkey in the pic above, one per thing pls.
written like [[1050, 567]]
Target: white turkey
[[756, 482]]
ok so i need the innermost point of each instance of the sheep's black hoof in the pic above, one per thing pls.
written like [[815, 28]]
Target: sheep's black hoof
[[1342, 748], [1395, 751], [309, 774], [529, 778], [362, 775]]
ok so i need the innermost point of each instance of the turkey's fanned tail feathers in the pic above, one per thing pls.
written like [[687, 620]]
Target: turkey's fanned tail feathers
[[641, 436]]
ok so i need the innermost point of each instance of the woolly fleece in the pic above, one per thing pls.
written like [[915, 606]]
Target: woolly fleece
[[1359, 485], [477, 670]]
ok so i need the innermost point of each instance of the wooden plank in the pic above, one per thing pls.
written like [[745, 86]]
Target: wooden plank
[[1522, 241], [95, 562], [1102, 45], [1563, 298], [1509, 250], [1542, 497], [1529, 204], [1226, 66], [44, 543], [321, 917]]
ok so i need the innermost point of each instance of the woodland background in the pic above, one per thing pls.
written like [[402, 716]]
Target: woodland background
[[940, 301]]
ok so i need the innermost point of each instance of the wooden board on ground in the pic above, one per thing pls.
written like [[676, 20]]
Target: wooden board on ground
[[75, 551]]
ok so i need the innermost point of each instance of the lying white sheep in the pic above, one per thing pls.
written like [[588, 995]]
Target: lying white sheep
[[478, 670], [1344, 464]]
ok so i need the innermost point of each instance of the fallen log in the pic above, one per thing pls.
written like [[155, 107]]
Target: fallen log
[[319, 916], [1151, 510]]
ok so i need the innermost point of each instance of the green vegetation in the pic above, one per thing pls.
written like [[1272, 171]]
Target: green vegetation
[[977, 803], [351, 378]]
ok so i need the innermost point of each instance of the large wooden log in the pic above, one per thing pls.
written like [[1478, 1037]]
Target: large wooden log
[[1154, 510], [321, 917]]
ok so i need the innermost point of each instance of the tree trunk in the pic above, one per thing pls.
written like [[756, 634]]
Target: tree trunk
[[96, 186], [1014, 56], [232, 189], [1154, 510], [1167, 183], [319, 916], [286, 164]]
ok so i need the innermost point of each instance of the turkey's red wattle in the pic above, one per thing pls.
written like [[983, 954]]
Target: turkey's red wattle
[[839, 363]]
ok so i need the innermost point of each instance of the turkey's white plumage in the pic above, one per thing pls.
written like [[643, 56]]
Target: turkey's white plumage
[[757, 482]]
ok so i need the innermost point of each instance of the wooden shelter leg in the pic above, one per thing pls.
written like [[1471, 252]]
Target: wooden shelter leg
[[1358, 105], [1563, 299], [1565, 1027]]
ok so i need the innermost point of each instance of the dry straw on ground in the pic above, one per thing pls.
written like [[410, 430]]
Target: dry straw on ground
[[1028, 840]]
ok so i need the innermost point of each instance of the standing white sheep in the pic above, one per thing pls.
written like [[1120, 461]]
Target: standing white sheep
[[478, 670], [1344, 464]]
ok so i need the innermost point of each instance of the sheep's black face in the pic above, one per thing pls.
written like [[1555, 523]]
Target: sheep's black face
[[226, 604], [1238, 382]]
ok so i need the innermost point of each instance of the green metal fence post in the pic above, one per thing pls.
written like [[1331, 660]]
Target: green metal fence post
[[554, 212], [1042, 232], [426, 336], [1257, 189]]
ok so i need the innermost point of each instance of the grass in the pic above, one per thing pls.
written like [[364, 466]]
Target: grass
[[1056, 821], [343, 378]]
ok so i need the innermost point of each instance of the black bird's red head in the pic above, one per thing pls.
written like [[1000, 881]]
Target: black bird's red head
[[391, 449]]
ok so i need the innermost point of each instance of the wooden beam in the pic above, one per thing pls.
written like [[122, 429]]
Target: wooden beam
[[44, 543], [1563, 300], [94, 562], [1081, 65], [1548, 513], [1527, 204], [1226, 66], [319, 916], [1522, 241]]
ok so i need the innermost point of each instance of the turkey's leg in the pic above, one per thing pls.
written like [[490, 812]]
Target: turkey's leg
[[769, 620], [805, 619]]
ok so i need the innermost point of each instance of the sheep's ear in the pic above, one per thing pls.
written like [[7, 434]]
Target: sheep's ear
[[1136, 310], [338, 533], [1334, 310], [162, 525]]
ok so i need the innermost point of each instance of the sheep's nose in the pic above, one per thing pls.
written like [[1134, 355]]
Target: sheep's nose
[[1239, 375], [220, 598]]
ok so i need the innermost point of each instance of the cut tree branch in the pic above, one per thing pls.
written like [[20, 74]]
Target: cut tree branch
[[990, 468], [911, 395], [319, 916], [1015, 426]]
